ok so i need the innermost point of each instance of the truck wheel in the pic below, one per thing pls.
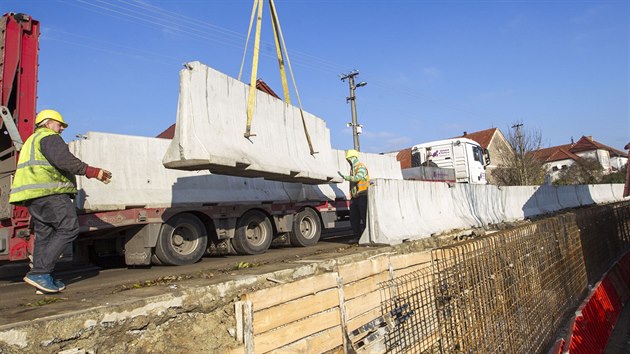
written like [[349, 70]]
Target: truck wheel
[[253, 233], [183, 240], [156, 261], [307, 228]]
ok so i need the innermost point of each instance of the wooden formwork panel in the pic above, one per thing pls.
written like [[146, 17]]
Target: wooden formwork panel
[[265, 298], [363, 269], [294, 331], [363, 318], [402, 261], [283, 313], [410, 270], [364, 286], [318, 343], [362, 304]]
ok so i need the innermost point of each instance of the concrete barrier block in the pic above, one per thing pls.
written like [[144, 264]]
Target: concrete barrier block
[[210, 127]]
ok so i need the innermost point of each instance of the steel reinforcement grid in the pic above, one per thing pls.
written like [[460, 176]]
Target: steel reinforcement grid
[[508, 292]]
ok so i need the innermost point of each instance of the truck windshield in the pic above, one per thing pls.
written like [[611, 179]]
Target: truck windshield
[[478, 153]]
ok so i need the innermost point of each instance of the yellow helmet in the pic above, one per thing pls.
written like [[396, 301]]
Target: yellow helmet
[[352, 153], [50, 114]]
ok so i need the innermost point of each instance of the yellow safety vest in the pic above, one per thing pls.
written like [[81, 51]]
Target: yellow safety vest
[[360, 187], [35, 177]]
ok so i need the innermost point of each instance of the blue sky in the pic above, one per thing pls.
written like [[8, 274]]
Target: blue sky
[[434, 68]]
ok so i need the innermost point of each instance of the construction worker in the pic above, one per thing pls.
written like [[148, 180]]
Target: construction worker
[[359, 179], [45, 182]]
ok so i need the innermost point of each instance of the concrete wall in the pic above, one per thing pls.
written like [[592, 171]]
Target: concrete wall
[[407, 210]]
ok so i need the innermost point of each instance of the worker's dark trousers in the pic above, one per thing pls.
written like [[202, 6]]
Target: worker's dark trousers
[[358, 213], [56, 224]]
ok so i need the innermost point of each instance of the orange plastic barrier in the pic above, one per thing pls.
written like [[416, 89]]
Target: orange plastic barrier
[[595, 319]]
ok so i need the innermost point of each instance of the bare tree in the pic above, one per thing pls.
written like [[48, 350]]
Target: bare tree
[[521, 167]]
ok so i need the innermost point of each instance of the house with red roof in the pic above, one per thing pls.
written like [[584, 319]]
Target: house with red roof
[[558, 158]]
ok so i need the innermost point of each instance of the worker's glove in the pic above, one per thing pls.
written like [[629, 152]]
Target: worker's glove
[[346, 178], [98, 173]]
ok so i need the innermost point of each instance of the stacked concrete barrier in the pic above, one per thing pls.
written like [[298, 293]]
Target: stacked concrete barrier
[[140, 179], [407, 210]]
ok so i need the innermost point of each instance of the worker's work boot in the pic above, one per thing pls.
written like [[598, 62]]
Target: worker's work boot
[[43, 282], [58, 283]]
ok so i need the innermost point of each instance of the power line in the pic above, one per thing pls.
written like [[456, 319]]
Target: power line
[[158, 17]]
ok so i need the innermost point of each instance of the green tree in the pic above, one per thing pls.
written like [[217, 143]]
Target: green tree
[[583, 171], [615, 177]]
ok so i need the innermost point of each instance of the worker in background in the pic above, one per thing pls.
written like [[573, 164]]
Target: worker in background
[[359, 179], [626, 189], [45, 182]]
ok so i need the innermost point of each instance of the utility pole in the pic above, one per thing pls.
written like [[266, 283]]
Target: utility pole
[[356, 128], [521, 153]]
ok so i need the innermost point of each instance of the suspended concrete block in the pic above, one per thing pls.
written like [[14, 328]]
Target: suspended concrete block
[[210, 127]]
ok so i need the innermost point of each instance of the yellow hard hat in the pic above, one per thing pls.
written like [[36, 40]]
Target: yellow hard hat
[[50, 114], [352, 153]]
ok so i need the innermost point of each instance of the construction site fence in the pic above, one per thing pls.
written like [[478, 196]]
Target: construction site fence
[[512, 291]]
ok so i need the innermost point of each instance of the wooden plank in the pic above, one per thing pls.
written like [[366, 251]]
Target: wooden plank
[[363, 269], [364, 286], [276, 316], [286, 292], [363, 318], [411, 259], [317, 343], [237, 350], [238, 313], [296, 330], [248, 331], [362, 304], [402, 272], [342, 311]]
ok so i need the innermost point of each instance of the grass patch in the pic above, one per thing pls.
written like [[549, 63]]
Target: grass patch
[[45, 301]]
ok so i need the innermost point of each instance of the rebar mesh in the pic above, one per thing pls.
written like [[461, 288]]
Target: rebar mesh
[[509, 292]]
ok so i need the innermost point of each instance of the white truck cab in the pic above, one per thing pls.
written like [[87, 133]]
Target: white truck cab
[[465, 156]]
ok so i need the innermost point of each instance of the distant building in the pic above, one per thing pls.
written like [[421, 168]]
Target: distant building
[[498, 146], [558, 158]]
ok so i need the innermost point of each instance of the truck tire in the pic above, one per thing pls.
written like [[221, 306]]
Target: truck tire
[[307, 228], [156, 261], [253, 234], [183, 240]]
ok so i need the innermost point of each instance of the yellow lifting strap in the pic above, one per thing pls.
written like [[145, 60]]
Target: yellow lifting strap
[[280, 46]]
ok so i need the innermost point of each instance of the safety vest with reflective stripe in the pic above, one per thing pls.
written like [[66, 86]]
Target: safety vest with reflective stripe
[[35, 177], [361, 185]]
